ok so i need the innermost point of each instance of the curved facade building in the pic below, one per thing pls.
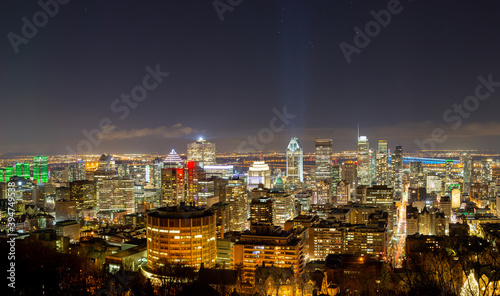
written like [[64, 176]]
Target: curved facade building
[[181, 235]]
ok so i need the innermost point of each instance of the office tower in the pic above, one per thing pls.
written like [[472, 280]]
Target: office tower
[[343, 192], [323, 160], [259, 173], [455, 198], [236, 196], [283, 207], [267, 245], [206, 193], [116, 194], [468, 171], [84, 193], [349, 171], [172, 186], [193, 174], [106, 163], [122, 169], [373, 166], [448, 178], [221, 211], [398, 171], [363, 161], [40, 169], [294, 162], [22, 170], [173, 160], [336, 178], [382, 166], [156, 173], [324, 192], [416, 174], [6, 174], [486, 172], [201, 151], [79, 173], [446, 208], [261, 210], [182, 235]]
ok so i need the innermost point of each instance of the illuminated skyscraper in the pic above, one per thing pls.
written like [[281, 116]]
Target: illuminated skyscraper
[[23, 170], [336, 178], [468, 171], [382, 163], [181, 235], [398, 171], [173, 160], [172, 186], [236, 196], [40, 169], [363, 161], [202, 152], [79, 170], [259, 173], [294, 162], [486, 172], [323, 162], [116, 194]]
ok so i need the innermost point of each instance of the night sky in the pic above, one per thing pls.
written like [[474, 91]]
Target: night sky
[[225, 77]]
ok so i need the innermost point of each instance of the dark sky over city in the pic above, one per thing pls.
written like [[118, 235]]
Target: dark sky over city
[[225, 77]]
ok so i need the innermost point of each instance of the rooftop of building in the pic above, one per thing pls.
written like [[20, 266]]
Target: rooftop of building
[[181, 212]]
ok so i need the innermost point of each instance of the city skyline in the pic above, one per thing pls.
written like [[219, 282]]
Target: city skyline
[[268, 56]]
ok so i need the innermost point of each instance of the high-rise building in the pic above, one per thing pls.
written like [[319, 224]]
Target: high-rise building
[[202, 152], [181, 235], [172, 186], [283, 207], [261, 210], [84, 193], [116, 194], [267, 244], [236, 196], [455, 198], [349, 172], [468, 171], [323, 160], [363, 161], [22, 170], [294, 162], [398, 171], [107, 163], [486, 171], [382, 164], [173, 160], [40, 169], [336, 178], [343, 192], [259, 173], [79, 172], [417, 176]]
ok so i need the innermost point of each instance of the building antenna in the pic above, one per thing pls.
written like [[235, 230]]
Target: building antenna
[[358, 130]]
